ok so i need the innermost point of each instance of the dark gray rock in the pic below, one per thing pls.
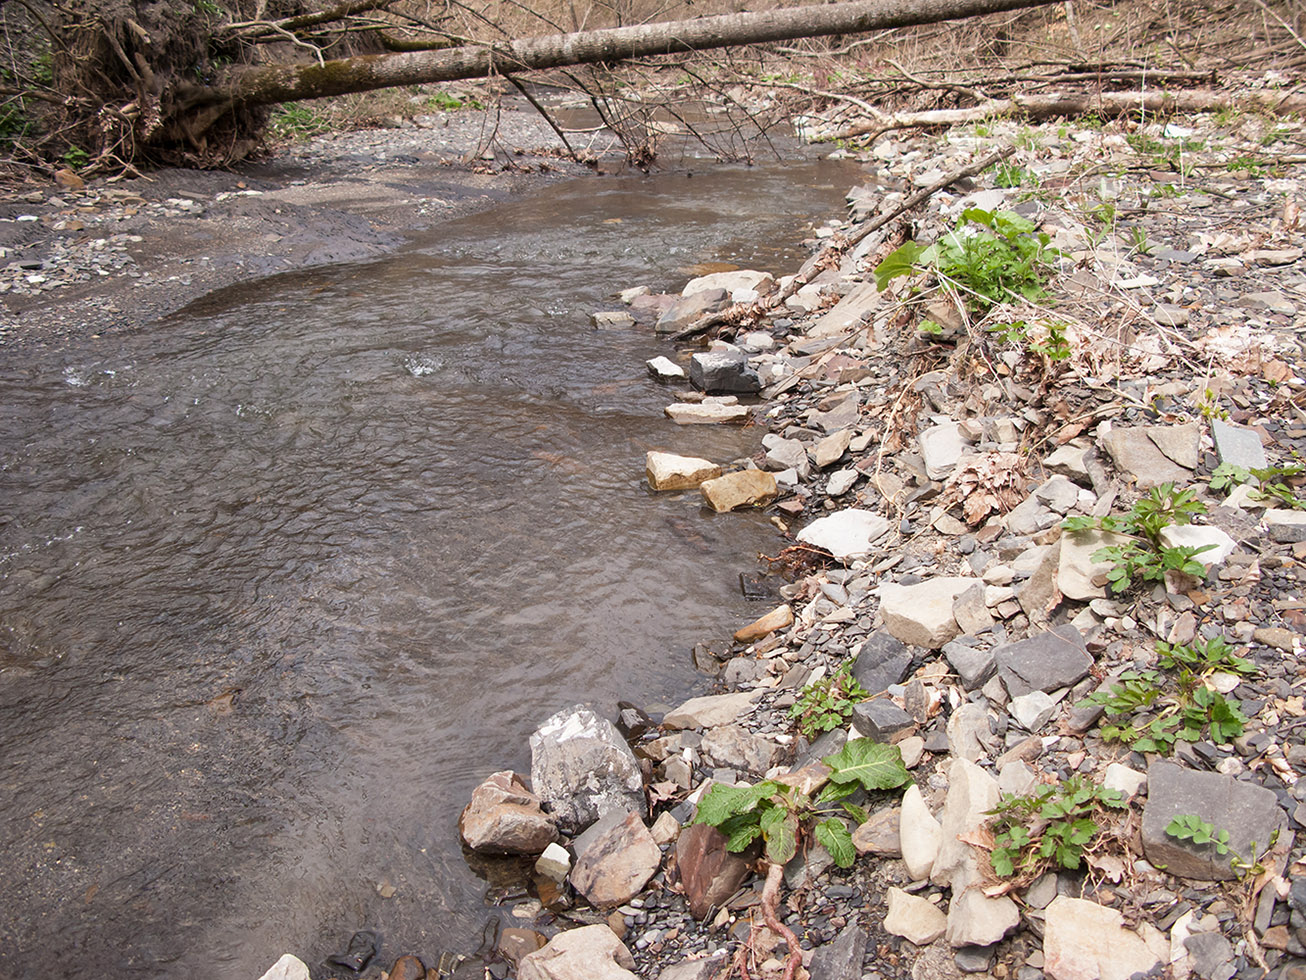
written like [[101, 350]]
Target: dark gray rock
[[1249, 813], [841, 959], [974, 959], [883, 660], [723, 372], [704, 969], [1046, 662], [687, 309], [881, 719], [581, 768], [974, 667], [1212, 955], [1238, 445]]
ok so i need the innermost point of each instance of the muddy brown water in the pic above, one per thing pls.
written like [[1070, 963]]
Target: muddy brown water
[[284, 576]]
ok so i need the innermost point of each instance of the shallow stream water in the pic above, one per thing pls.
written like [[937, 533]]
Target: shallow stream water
[[284, 576]]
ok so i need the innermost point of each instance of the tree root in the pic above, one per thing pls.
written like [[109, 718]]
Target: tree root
[[770, 895]]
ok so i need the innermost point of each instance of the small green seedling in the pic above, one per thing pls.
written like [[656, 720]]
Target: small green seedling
[[826, 704]]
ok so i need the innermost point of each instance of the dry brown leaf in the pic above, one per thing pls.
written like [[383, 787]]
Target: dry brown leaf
[[985, 483]]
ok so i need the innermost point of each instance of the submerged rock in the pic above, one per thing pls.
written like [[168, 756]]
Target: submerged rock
[[289, 967]]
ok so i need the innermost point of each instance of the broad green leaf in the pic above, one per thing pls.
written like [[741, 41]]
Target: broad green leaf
[[741, 831], [833, 792], [856, 812], [723, 802], [780, 831], [902, 261], [834, 836], [872, 764]]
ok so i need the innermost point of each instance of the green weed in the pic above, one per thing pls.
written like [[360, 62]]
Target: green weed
[[827, 703], [1049, 828], [297, 121]]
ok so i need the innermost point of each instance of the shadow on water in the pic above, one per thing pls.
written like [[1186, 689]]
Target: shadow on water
[[283, 577]]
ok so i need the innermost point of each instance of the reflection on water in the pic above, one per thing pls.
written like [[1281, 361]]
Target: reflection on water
[[282, 578]]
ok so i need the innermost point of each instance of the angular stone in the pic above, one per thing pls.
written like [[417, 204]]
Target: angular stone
[[913, 918], [667, 471], [723, 372], [882, 720], [711, 711], [707, 968], [1286, 526], [1058, 493], [841, 959], [1031, 516], [941, 449], [1135, 454], [615, 859], [1271, 300], [730, 281], [607, 320], [971, 611], [841, 482], [848, 314], [1238, 445], [879, 834], [883, 660], [1200, 536], [831, 449], [504, 817], [289, 967], [972, 792], [512, 946], [1178, 442], [777, 619], [1086, 941], [664, 369], [411, 968], [581, 767], [708, 872], [920, 835], [733, 747], [1212, 955], [1129, 782], [1077, 572], [968, 731], [707, 412], [1032, 710], [744, 488], [974, 667], [554, 863], [921, 614], [587, 953], [1068, 461], [1057, 658], [786, 454], [974, 919], [687, 309], [846, 534], [837, 412], [1248, 812]]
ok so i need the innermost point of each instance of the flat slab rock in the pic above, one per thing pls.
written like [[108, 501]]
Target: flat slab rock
[[711, 711], [1153, 455], [1087, 941], [615, 858], [846, 534], [1051, 660], [1248, 812], [921, 614]]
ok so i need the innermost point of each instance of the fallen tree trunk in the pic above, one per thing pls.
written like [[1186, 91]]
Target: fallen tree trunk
[[1108, 104], [288, 83]]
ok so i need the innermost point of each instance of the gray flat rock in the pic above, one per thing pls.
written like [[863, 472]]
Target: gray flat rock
[[1137, 455], [1057, 658], [1238, 445]]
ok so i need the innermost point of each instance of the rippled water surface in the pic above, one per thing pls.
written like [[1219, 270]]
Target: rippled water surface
[[283, 577]]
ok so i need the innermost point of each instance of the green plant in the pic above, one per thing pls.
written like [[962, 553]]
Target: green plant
[[827, 703], [1146, 556], [1050, 827], [1246, 164], [1203, 657], [1138, 238], [1167, 154], [297, 121], [1210, 407], [1010, 175], [1190, 826], [781, 816], [75, 158], [991, 257], [450, 103], [1055, 346], [1271, 485]]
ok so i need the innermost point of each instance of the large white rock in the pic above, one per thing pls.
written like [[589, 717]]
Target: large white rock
[[1200, 536], [846, 534], [972, 792], [1076, 568], [941, 448], [921, 614], [707, 412], [762, 282], [913, 918], [920, 834], [1087, 941], [667, 471], [289, 967], [587, 953], [581, 768], [665, 369], [711, 711]]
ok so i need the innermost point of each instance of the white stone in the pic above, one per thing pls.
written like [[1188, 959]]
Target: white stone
[[913, 918], [667, 471], [974, 919], [665, 368], [921, 614], [1032, 710], [846, 534], [705, 412], [920, 834], [629, 296], [289, 967], [609, 319], [554, 863], [711, 711], [1087, 941], [588, 953], [1199, 536], [941, 448], [841, 482], [1129, 782], [972, 792], [729, 281]]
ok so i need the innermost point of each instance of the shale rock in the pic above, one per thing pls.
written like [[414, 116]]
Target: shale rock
[[921, 614], [745, 488], [667, 471], [708, 872], [615, 858], [1086, 941]]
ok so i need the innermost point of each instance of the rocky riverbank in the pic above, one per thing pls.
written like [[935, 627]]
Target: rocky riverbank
[[1039, 500]]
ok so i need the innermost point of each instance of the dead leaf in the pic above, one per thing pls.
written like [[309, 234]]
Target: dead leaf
[[1108, 864]]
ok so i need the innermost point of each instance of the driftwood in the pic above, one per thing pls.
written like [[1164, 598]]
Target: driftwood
[[1106, 104]]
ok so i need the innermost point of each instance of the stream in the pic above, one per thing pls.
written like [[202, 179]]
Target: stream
[[284, 576]]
